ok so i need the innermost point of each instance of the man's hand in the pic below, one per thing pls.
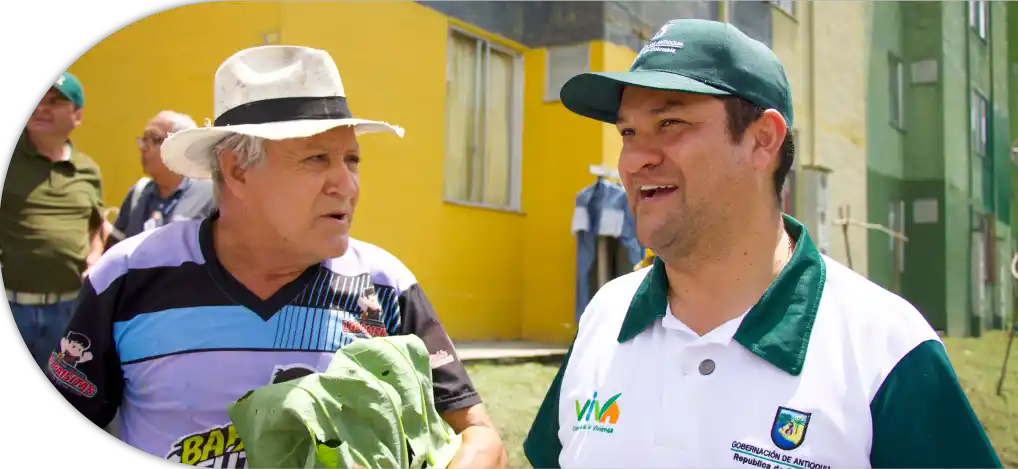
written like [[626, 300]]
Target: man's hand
[[482, 446], [98, 245]]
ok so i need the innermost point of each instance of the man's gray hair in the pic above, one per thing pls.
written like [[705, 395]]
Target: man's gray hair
[[177, 120], [250, 152]]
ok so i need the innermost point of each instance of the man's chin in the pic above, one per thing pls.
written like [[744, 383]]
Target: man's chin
[[335, 247]]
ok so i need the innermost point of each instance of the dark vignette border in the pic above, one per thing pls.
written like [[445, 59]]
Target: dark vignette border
[[43, 41]]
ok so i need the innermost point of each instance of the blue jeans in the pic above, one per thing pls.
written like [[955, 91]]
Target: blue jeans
[[42, 326]]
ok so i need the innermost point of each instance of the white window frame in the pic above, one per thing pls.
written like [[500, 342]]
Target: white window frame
[[896, 71], [556, 61], [787, 6], [979, 123], [978, 17], [515, 121]]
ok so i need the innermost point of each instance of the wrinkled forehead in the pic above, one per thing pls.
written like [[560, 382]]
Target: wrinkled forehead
[[337, 140]]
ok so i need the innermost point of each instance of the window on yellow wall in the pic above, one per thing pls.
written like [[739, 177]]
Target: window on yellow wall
[[483, 96]]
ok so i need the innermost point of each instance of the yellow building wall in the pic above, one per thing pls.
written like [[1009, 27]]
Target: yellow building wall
[[559, 148], [612, 58], [467, 259], [392, 58]]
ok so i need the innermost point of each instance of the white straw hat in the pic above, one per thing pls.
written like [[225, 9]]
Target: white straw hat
[[270, 92]]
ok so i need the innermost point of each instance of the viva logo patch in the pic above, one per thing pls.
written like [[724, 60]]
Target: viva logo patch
[[593, 415]]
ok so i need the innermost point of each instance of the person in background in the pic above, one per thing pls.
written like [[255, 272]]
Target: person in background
[[164, 196], [51, 225]]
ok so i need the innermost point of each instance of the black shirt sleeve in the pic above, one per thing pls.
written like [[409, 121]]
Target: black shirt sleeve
[[125, 211], [453, 388], [85, 367]]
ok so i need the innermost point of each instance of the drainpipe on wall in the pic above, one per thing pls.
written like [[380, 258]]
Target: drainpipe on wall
[[811, 54], [968, 99], [995, 282]]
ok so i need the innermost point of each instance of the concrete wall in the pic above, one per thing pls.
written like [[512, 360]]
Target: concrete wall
[[791, 43], [924, 282], [1000, 75], [1011, 14], [952, 269], [885, 143], [839, 119]]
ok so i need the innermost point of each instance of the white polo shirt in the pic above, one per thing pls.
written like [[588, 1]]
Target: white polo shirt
[[826, 370]]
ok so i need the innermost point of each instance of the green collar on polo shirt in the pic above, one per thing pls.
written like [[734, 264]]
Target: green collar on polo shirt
[[777, 328]]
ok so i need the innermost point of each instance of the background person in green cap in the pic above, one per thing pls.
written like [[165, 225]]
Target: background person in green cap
[[741, 344], [51, 223]]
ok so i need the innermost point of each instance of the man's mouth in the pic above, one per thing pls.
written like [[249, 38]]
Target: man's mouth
[[651, 191], [338, 216]]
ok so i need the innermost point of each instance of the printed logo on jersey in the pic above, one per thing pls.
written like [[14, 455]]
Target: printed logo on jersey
[[787, 431], [355, 308], [370, 323], [597, 417], [220, 447], [63, 365], [440, 358]]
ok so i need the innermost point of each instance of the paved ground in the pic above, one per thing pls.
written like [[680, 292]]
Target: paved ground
[[495, 350]]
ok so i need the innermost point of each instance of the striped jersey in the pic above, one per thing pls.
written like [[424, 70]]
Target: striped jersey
[[169, 338]]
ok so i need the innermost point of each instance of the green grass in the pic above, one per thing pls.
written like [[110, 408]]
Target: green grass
[[978, 362], [513, 392]]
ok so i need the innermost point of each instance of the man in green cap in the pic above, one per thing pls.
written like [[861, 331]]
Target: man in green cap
[[51, 223], [741, 345]]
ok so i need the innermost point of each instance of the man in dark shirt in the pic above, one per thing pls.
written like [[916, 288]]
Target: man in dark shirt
[[51, 224], [163, 196]]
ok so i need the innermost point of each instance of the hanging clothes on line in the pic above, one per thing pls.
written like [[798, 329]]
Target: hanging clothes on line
[[606, 245]]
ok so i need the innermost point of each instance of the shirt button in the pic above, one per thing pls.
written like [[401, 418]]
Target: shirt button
[[706, 367]]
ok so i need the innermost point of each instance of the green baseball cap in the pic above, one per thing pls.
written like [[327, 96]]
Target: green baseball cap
[[692, 56], [69, 86]]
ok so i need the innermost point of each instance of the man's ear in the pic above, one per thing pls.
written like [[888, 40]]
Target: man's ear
[[234, 177], [768, 135], [78, 113]]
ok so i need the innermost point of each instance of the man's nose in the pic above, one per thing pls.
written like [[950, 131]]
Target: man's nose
[[638, 154], [342, 183]]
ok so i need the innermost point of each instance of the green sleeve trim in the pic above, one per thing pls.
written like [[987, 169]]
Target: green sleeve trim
[[542, 445], [922, 418]]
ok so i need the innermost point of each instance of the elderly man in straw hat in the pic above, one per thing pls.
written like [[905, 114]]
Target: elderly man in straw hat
[[178, 322]]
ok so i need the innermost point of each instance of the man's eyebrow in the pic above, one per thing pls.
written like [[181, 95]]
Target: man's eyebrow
[[669, 105]]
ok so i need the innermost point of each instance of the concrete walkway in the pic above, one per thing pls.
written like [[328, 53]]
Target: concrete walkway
[[508, 350]]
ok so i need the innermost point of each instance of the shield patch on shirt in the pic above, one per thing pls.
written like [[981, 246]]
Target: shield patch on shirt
[[789, 428]]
